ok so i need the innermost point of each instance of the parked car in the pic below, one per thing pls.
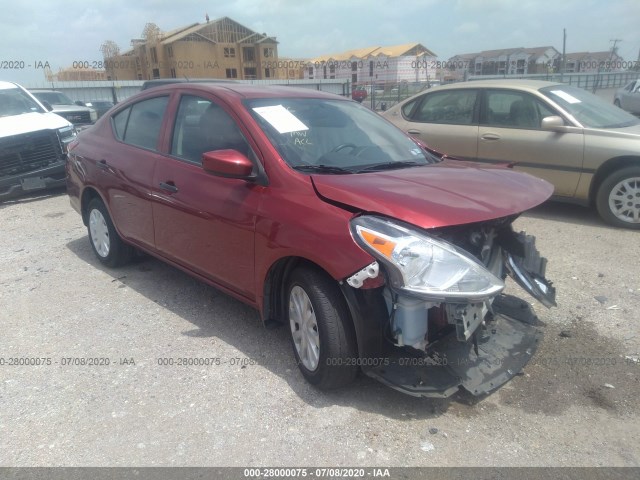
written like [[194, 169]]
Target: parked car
[[80, 116], [587, 148], [375, 252], [159, 82], [100, 106], [33, 143], [359, 93], [628, 98]]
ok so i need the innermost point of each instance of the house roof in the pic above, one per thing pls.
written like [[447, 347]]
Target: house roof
[[388, 51], [535, 51], [221, 30]]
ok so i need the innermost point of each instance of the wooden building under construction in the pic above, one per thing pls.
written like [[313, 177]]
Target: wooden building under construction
[[220, 48]]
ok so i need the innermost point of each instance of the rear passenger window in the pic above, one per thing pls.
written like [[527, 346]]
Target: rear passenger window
[[140, 124], [451, 107]]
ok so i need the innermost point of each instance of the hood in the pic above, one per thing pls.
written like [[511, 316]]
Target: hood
[[31, 122], [70, 108], [451, 192]]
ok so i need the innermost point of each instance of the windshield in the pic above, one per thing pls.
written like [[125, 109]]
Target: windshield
[[14, 101], [334, 136], [589, 110], [54, 98]]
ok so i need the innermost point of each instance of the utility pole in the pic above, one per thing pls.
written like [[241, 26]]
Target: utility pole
[[613, 49], [563, 65]]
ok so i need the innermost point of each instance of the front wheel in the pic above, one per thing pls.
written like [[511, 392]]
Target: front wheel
[[105, 241], [618, 199], [321, 331]]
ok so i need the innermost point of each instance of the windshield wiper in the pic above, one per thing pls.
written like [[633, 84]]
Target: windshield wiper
[[321, 169], [390, 166]]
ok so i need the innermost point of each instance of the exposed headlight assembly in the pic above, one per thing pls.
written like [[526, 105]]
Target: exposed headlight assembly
[[423, 265]]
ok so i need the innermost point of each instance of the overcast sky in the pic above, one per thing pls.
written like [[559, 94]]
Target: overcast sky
[[63, 32]]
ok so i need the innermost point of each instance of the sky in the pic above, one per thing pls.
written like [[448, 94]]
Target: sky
[[36, 32]]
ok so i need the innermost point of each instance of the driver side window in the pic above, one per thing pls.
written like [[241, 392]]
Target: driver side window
[[203, 126], [513, 109]]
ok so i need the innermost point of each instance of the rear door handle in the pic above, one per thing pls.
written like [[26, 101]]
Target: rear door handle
[[490, 136], [413, 132], [169, 187], [102, 165]]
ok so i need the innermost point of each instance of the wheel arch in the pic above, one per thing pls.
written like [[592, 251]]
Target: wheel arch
[[606, 169], [88, 194], [274, 291]]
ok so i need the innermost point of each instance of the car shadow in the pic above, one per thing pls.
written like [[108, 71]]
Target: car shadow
[[567, 213], [34, 196], [240, 326]]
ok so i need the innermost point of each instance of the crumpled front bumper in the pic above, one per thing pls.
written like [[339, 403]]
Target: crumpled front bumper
[[484, 353], [505, 345]]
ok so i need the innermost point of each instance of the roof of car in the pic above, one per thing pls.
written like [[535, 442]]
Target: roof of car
[[248, 90], [7, 85], [500, 82]]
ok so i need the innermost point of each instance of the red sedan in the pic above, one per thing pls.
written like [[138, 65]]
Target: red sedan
[[375, 252]]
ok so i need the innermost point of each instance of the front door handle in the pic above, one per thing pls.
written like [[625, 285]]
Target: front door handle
[[169, 187], [413, 132], [490, 136]]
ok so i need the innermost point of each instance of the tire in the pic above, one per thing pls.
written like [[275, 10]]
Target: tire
[[104, 240], [327, 355], [618, 198]]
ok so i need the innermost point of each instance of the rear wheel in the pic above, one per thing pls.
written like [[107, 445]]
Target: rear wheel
[[321, 332], [618, 198], [105, 241]]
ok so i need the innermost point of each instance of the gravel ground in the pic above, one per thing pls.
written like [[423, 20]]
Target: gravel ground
[[576, 404]]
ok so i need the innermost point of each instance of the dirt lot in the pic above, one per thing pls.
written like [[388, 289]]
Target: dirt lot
[[575, 404]]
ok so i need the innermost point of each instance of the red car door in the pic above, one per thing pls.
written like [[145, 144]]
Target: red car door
[[126, 171], [203, 222]]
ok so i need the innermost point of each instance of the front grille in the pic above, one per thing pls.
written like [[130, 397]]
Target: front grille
[[29, 151], [76, 117]]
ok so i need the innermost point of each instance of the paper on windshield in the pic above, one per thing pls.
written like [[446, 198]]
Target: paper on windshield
[[281, 119], [565, 96]]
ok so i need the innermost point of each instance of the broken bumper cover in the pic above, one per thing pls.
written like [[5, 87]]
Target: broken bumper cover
[[504, 347]]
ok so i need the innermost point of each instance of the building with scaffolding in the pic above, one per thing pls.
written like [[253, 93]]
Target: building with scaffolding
[[221, 48]]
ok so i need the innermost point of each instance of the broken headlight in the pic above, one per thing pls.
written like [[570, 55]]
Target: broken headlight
[[423, 265]]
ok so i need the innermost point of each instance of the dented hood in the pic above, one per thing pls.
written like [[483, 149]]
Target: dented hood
[[451, 192]]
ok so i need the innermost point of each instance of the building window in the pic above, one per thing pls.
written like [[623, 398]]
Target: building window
[[371, 68], [268, 52], [173, 73], [310, 72], [170, 51], [324, 72], [154, 55], [229, 52], [249, 54], [354, 78], [139, 76], [267, 73], [354, 66], [332, 70], [156, 73], [250, 73], [232, 73]]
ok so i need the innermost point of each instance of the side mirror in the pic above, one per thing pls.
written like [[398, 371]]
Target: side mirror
[[228, 164], [79, 103], [46, 105], [553, 123]]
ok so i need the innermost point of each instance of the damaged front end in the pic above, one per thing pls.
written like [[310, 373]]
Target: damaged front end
[[446, 322]]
